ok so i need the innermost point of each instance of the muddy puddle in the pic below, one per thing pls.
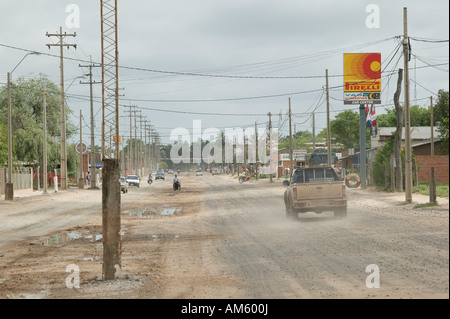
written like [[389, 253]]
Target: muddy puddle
[[67, 236], [151, 212]]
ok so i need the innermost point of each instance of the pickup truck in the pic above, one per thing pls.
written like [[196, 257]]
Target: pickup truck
[[316, 189]]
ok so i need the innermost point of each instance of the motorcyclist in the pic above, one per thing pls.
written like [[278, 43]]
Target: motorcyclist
[[176, 182], [150, 178]]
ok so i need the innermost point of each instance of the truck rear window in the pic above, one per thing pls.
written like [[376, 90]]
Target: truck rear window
[[315, 175]]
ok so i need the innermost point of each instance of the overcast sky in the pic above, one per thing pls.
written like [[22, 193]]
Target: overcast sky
[[234, 41]]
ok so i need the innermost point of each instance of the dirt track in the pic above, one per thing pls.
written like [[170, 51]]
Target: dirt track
[[219, 239]]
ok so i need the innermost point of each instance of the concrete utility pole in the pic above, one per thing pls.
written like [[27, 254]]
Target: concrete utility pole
[[93, 161], [45, 141], [9, 188], [432, 125], [290, 139], [314, 131], [256, 141], [270, 147], [328, 123], [406, 58], [61, 45], [111, 219], [81, 178]]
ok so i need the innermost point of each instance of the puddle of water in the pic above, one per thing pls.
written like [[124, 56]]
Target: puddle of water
[[60, 238], [91, 258], [168, 211], [94, 237], [139, 213], [144, 213], [66, 237]]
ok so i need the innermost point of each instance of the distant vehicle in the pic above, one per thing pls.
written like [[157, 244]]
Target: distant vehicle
[[199, 172], [215, 171], [170, 171], [123, 185], [133, 180], [160, 175]]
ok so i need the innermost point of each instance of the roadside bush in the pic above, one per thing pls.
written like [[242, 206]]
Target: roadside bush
[[381, 169]]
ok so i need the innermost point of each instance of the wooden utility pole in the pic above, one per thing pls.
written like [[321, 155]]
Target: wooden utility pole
[[328, 123], [290, 138], [406, 57], [61, 45], [45, 141], [398, 134], [93, 161]]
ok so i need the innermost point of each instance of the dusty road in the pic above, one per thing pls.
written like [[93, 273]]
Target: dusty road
[[219, 239]]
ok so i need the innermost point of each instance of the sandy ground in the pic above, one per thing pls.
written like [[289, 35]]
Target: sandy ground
[[219, 239]]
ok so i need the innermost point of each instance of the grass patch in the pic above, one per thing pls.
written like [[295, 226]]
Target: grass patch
[[429, 204], [442, 190]]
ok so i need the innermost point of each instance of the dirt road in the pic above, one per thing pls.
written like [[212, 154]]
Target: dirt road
[[219, 239]]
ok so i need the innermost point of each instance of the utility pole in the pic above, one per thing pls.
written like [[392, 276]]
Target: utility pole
[[81, 178], [432, 126], [45, 141], [256, 141], [130, 143], [270, 147], [328, 124], [406, 57], [314, 131], [9, 189], [61, 45], [290, 138], [93, 161]]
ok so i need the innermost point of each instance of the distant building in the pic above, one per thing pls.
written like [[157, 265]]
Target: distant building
[[419, 134]]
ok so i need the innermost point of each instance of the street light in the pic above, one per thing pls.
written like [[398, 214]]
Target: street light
[[9, 189]]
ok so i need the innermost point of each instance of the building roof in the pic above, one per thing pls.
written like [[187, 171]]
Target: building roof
[[417, 132]]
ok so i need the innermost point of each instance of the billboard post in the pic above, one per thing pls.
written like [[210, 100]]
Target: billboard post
[[362, 85]]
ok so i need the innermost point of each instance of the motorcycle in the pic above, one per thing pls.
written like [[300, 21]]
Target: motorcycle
[[150, 180], [244, 178], [177, 186]]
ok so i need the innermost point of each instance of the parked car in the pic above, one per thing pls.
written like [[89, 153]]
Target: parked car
[[160, 175], [123, 185], [170, 171], [199, 172], [133, 180], [215, 171]]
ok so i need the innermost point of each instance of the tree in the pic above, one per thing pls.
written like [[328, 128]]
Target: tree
[[441, 115], [345, 129], [27, 122]]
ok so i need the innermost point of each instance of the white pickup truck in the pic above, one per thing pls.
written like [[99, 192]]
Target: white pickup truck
[[315, 189]]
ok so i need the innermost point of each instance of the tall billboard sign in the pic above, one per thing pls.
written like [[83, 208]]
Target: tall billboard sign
[[362, 78]]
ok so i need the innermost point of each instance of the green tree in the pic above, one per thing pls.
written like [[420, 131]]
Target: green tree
[[419, 116], [441, 115], [27, 122]]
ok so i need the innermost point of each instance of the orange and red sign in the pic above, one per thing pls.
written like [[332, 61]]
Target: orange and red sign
[[362, 77]]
